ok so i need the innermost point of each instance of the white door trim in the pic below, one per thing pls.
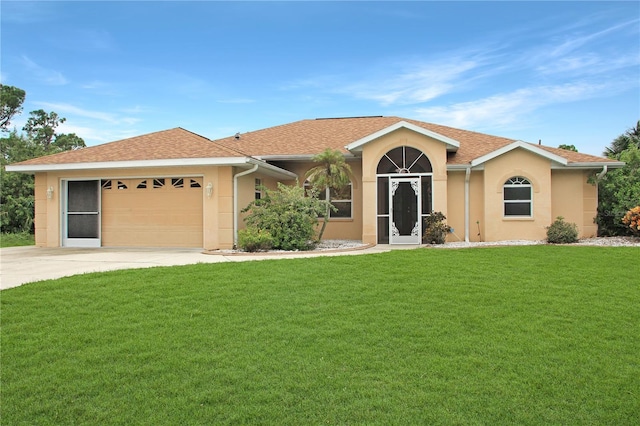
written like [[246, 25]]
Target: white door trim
[[416, 233], [64, 206]]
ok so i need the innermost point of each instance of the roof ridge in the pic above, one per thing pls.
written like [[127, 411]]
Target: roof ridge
[[346, 118], [229, 148], [458, 129], [186, 130]]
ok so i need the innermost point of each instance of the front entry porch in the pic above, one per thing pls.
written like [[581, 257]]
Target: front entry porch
[[404, 194]]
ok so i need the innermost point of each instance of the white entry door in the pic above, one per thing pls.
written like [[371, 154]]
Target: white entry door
[[405, 214], [81, 213]]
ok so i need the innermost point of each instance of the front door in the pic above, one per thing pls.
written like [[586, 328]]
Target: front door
[[405, 196], [81, 213]]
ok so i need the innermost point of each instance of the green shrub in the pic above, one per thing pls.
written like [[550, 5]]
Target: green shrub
[[561, 232], [435, 229], [288, 215], [253, 239], [618, 191]]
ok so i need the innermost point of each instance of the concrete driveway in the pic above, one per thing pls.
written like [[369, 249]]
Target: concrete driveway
[[20, 265]]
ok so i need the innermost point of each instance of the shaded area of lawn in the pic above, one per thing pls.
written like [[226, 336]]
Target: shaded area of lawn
[[509, 335], [15, 240]]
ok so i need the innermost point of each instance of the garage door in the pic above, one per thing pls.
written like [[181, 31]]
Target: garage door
[[152, 212]]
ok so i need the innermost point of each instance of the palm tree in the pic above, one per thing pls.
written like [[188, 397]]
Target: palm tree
[[624, 142], [332, 172]]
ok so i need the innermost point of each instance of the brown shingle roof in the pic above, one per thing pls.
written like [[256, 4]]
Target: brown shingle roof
[[167, 144], [576, 157], [300, 138], [309, 137]]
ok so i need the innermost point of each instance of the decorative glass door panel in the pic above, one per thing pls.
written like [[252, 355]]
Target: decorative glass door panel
[[81, 212], [405, 196]]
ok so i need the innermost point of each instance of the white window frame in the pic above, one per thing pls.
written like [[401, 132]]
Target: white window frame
[[327, 195], [258, 189], [517, 182]]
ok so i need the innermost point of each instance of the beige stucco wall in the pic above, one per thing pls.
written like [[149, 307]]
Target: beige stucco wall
[[216, 212], [337, 228], [455, 217], [455, 208], [247, 192], [555, 193], [220, 214], [537, 170], [477, 206], [43, 208], [575, 199], [375, 150]]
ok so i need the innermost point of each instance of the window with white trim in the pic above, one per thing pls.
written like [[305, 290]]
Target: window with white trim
[[340, 199], [518, 199], [258, 189]]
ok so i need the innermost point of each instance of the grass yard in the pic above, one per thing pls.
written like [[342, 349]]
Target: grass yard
[[15, 240], [531, 335]]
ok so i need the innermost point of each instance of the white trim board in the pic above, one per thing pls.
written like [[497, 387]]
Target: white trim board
[[519, 144], [356, 146]]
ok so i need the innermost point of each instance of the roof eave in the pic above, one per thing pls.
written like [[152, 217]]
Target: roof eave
[[596, 165], [132, 164], [593, 165], [463, 167], [174, 162], [271, 170], [301, 157]]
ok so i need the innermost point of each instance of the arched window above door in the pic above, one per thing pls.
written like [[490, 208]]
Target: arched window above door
[[404, 160]]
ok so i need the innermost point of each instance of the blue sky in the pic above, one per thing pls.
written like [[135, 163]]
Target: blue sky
[[562, 72]]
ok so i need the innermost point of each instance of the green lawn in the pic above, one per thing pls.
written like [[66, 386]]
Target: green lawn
[[545, 335], [14, 240]]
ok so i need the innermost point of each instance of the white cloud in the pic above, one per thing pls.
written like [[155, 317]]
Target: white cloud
[[423, 83], [93, 126], [573, 43], [62, 108], [581, 49], [588, 64], [27, 12], [45, 75], [96, 135], [584, 50], [95, 84], [507, 108]]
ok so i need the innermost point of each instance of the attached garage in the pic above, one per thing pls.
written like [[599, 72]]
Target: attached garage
[[172, 188], [152, 212]]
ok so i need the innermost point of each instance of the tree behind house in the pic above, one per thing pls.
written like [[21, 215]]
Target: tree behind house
[[619, 189], [11, 100], [623, 142], [17, 199]]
